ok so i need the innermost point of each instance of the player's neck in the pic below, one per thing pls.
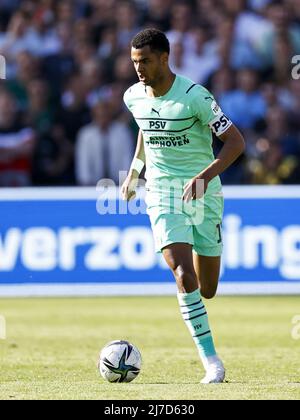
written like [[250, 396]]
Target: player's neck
[[162, 87]]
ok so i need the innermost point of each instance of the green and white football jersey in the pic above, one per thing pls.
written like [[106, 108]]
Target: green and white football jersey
[[177, 130]]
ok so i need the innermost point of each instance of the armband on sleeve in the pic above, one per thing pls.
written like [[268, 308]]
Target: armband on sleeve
[[220, 124]]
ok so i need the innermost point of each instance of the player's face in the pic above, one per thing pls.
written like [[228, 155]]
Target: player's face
[[149, 65]]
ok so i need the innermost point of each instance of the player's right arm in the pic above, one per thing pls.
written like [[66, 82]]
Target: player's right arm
[[130, 184]]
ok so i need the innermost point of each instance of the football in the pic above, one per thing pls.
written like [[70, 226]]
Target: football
[[120, 361]]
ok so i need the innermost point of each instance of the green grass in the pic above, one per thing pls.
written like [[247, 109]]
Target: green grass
[[53, 344]]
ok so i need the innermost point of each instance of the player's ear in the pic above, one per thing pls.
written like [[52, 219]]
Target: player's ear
[[164, 58]]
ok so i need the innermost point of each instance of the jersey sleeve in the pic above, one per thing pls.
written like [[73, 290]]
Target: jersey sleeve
[[209, 112], [127, 99]]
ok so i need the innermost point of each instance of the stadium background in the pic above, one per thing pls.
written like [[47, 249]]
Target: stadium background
[[63, 125]]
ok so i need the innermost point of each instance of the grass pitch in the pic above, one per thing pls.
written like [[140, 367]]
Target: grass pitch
[[52, 347]]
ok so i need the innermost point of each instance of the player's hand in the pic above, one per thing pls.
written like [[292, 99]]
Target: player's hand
[[195, 189], [129, 188]]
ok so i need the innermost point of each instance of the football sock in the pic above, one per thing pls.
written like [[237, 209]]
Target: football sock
[[195, 317]]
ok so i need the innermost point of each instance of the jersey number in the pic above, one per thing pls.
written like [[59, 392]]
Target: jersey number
[[220, 233]]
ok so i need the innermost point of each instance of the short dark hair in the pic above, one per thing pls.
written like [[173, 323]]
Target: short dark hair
[[156, 40]]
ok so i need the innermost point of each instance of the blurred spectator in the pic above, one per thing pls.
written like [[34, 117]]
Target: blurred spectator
[[281, 39], [249, 27], [65, 11], [65, 56], [274, 167], [28, 69], [84, 52], [276, 151], [270, 94], [17, 38], [181, 25], [157, 14], [103, 148], [74, 112], [245, 105], [92, 75], [59, 66], [233, 50], [208, 12], [39, 113], [222, 82], [82, 31], [294, 7], [127, 22], [124, 71], [294, 105], [199, 65], [52, 159], [103, 13], [109, 47], [16, 145]]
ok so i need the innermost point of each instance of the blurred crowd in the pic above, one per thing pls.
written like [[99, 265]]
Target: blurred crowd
[[62, 117]]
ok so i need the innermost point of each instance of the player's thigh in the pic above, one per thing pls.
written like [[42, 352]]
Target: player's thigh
[[208, 274]]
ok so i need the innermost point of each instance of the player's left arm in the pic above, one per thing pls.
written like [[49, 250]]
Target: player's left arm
[[234, 146]]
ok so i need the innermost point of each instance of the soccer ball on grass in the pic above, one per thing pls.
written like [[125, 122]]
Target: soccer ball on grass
[[120, 361]]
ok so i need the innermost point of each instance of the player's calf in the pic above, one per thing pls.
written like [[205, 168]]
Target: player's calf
[[208, 273]]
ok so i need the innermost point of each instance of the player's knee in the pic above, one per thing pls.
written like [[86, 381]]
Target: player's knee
[[184, 277], [182, 272], [208, 293]]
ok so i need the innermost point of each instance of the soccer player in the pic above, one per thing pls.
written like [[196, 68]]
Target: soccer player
[[184, 197]]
